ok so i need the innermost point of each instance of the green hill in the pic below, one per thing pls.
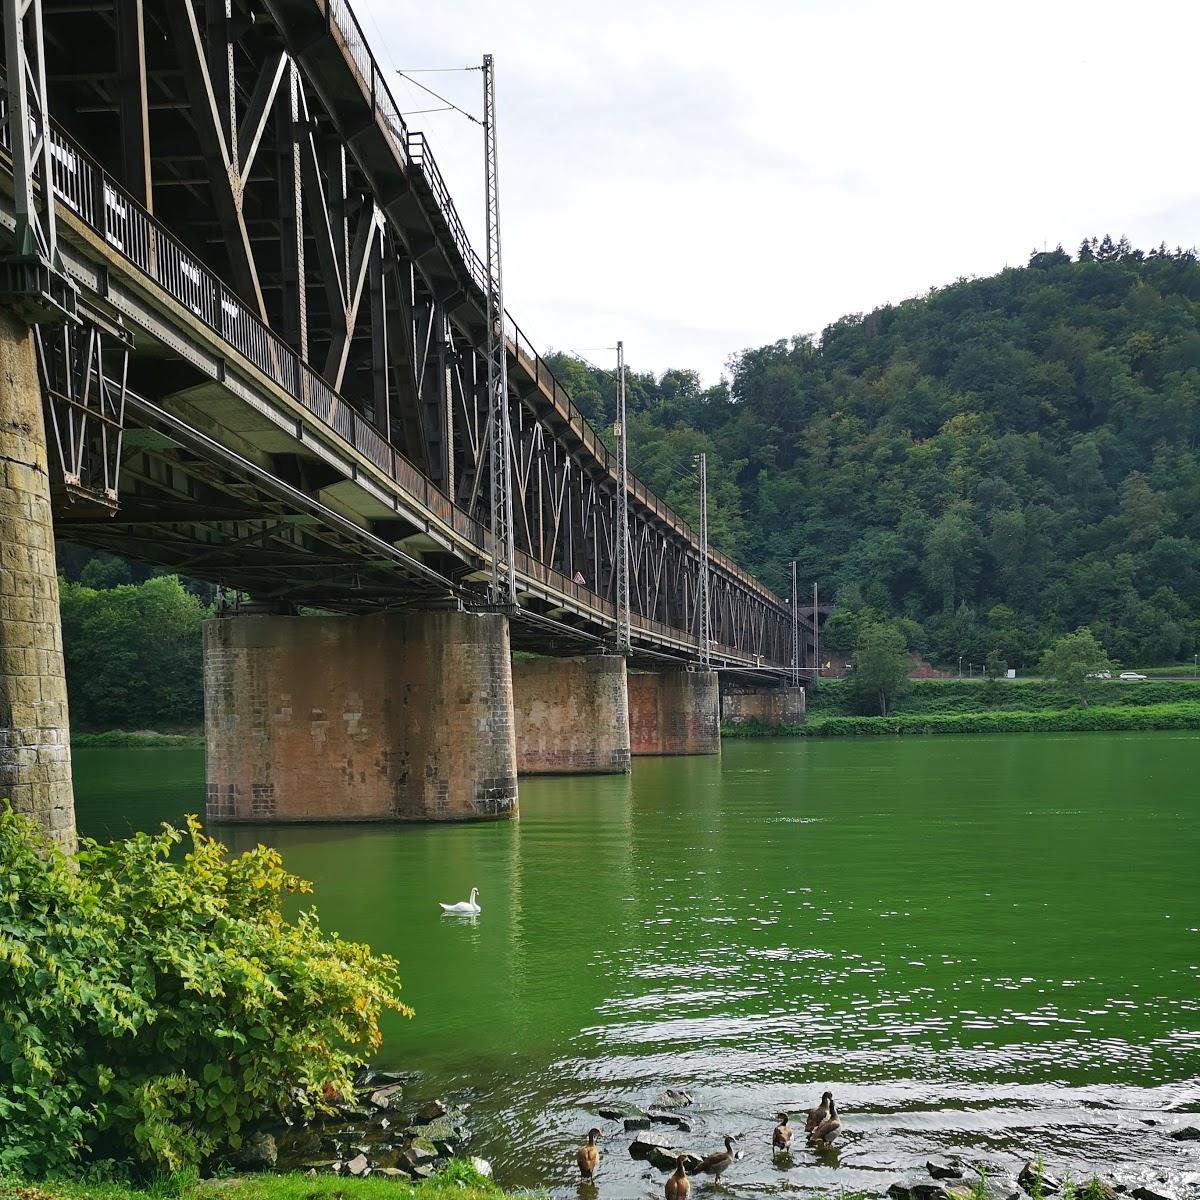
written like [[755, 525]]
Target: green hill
[[997, 462]]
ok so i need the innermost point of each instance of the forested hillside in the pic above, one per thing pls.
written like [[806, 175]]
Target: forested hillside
[[996, 462]]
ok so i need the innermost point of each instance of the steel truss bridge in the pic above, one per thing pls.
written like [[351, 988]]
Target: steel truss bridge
[[262, 334]]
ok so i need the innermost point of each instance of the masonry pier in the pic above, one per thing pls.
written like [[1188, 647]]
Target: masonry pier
[[386, 717], [748, 704], [35, 750], [572, 715], [674, 712]]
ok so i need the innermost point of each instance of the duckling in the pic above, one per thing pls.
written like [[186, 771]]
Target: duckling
[[781, 1139], [678, 1185], [828, 1129], [588, 1155], [820, 1113], [717, 1164]]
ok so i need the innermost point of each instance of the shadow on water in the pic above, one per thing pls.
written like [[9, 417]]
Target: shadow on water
[[986, 946]]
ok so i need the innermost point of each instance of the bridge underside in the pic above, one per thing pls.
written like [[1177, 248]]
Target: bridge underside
[[274, 379]]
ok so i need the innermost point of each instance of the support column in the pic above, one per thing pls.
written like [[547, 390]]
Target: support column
[[572, 715], [745, 704], [389, 717], [674, 712], [35, 750]]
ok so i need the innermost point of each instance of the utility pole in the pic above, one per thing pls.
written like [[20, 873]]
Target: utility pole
[[705, 656], [624, 631], [795, 629], [499, 426], [816, 636]]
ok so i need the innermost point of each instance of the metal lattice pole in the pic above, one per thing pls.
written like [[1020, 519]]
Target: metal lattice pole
[[499, 424], [816, 637], [705, 644], [29, 129], [624, 630], [795, 629]]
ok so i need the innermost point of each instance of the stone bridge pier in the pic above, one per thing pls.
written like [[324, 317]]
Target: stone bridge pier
[[674, 712], [388, 717], [572, 715], [35, 750], [746, 704]]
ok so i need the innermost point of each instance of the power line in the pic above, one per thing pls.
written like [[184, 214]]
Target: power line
[[416, 112], [435, 70], [439, 96]]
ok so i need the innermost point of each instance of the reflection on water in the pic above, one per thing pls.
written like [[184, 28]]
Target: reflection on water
[[986, 946]]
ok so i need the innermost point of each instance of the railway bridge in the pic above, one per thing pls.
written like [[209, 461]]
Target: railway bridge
[[244, 336]]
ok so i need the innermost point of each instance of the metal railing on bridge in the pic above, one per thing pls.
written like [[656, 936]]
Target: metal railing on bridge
[[413, 147], [84, 187]]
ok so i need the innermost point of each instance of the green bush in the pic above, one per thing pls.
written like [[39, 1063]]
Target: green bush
[[1068, 720], [153, 1006], [935, 696]]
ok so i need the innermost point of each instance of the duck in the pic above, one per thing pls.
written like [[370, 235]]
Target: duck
[[678, 1185], [464, 906], [828, 1129], [588, 1155], [781, 1139], [820, 1113], [717, 1164]]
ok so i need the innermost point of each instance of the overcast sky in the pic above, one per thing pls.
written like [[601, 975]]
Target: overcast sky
[[700, 177]]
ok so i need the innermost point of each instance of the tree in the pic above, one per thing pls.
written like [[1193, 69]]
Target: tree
[[995, 666], [1076, 661], [880, 669]]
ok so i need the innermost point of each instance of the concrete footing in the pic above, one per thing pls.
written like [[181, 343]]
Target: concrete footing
[[35, 748], [389, 717], [572, 715], [674, 712], [748, 705]]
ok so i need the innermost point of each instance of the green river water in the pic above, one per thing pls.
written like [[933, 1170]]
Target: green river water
[[985, 946]]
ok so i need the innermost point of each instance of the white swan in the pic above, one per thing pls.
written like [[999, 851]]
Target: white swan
[[463, 906]]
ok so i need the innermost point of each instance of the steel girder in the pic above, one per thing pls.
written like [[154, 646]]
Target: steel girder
[[261, 138]]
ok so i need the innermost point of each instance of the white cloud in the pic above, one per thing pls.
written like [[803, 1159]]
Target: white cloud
[[698, 177]]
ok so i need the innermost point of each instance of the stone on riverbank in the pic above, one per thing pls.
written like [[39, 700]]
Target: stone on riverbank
[[642, 1121], [387, 1097], [671, 1118], [615, 1111], [1189, 1133], [673, 1098], [1031, 1178], [919, 1189], [1152, 1192], [258, 1152], [952, 1169], [661, 1152]]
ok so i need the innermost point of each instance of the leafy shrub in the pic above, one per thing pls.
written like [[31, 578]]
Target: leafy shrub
[[1068, 720], [152, 1007]]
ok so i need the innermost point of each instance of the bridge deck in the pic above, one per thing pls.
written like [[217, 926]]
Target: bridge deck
[[246, 467]]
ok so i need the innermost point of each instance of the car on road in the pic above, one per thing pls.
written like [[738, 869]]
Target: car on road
[[1100, 675], [1130, 675]]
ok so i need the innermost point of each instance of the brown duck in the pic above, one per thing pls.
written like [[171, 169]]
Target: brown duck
[[820, 1113], [678, 1185], [828, 1129], [588, 1155], [717, 1164], [781, 1139]]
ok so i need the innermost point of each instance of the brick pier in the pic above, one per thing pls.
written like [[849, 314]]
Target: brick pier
[[389, 717], [35, 750], [572, 715]]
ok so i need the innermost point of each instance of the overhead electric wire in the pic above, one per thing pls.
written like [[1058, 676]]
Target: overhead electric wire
[[438, 96]]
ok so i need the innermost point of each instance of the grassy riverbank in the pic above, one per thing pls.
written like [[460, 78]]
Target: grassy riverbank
[[256, 1187], [123, 739], [1002, 706]]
